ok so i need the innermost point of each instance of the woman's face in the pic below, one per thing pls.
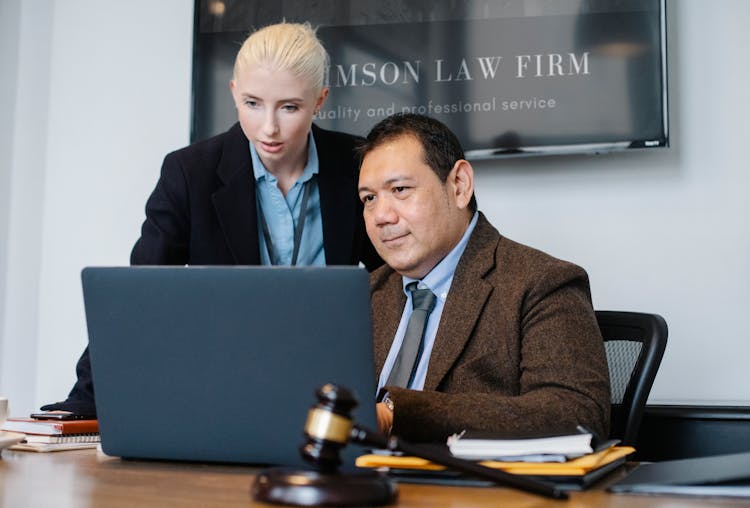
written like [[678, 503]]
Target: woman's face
[[275, 109]]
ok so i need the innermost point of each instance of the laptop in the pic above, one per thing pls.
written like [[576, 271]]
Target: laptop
[[221, 364]]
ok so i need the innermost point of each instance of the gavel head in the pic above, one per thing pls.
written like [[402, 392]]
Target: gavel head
[[328, 427]]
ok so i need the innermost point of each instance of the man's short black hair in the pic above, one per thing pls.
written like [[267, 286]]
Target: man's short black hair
[[440, 147]]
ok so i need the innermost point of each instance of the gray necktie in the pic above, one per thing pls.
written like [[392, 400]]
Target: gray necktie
[[423, 301]]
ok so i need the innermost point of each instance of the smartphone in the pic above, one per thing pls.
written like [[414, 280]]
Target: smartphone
[[57, 416]]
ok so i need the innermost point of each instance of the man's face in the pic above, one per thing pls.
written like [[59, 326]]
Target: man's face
[[275, 109], [412, 218]]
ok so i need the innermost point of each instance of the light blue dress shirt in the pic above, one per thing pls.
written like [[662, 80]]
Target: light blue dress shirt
[[282, 213], [439, 282]]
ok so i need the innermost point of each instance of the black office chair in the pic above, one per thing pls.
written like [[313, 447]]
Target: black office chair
[[634, 343]]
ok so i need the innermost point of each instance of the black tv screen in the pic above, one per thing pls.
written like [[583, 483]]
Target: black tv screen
[[512, 77]]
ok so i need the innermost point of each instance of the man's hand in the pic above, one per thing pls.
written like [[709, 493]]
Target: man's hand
[[385, 418]]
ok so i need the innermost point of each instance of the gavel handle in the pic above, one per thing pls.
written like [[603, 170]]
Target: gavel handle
[[368, 437]]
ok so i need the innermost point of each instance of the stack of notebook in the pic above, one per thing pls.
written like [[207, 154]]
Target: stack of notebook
[[51, 435], [570, 462]]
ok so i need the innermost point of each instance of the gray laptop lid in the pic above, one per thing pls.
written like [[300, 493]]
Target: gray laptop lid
[[221, 363]]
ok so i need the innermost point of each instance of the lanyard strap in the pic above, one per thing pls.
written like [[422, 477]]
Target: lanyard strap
[[297, 231]]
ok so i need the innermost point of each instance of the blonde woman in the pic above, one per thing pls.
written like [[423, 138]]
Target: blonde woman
[[274, 189]]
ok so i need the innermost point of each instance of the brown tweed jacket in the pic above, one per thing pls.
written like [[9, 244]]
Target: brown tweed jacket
[[517, 351]]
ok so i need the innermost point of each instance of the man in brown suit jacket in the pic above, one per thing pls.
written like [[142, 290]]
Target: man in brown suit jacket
[[512, 345]]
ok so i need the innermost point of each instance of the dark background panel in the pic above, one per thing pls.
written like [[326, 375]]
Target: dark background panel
[[508, 77]]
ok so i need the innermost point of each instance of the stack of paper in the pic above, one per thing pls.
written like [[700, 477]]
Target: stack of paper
[[546, 449], [52, 435], [575, 474]]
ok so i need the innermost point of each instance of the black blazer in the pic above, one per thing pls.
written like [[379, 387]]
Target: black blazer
[[203, 212]]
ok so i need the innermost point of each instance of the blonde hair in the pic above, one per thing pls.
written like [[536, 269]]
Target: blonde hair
[[288, 47]]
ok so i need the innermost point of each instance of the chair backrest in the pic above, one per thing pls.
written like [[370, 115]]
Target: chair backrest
[[634, 343]]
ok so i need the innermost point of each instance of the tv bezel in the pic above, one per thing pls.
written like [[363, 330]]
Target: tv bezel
[[521, 151]]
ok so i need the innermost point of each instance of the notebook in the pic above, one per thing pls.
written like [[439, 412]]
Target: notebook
[[221, 364]]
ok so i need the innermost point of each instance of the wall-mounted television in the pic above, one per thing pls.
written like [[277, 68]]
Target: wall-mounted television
[[511, 77]]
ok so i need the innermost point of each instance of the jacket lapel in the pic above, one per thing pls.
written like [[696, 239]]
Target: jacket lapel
[[337, 199], [235, 201], [466, 299], [387, 307]]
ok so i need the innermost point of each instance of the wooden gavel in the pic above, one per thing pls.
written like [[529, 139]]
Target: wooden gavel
[[329, 428]]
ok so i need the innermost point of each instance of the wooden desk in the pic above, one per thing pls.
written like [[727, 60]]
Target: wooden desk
[[84, 478]]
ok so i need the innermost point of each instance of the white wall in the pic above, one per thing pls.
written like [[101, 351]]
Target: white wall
[[9, 64], [95, 115], [102, 93], [663, 231], [25, 28]]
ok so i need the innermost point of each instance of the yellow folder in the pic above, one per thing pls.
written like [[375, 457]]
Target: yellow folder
[[575, 467]]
